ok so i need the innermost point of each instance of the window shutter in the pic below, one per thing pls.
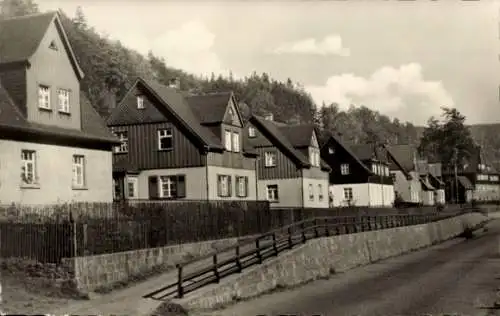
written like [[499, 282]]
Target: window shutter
[[229, 186], [153, 187], [246, 186], [277, 196], [181, 186], [219, 185]]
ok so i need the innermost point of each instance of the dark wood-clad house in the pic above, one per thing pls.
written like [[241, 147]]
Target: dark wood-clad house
[[360, 174], [175, 146], [54, 147], [290, 171]]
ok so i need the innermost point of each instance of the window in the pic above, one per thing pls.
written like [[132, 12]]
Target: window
[[344, 169], [123, 147], [44, 97], [374, 168], [270, 159], [224, 185], [314, 157], [331, 150], [272, 193], [311, 192], [386, 171], [251, 132], [28, 168], [348, 194], [393, 176], [165, 139], [53, 46], [63, 99], [228, 140], [78, 170], [236, 142], [242, 186], [140, 102], [116, 189], [132, 188], [320, 192], [172, 186]]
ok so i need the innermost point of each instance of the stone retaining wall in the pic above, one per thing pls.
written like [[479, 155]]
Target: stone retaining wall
[[320, 257]]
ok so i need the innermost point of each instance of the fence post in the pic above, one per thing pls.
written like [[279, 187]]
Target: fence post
[[290, 240], [180, 289], [316, 232], [216, 270], [370, 227], [257, 246], [354, 224], [73, 234], [303, 229], [275, 246], [238, 260], [327, 230]]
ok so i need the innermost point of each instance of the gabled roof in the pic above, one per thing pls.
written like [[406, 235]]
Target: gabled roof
[[298, 135], [436, 178], [330, 135], [273, 132], [21, 36], [210, 108], [92, 125], [426, 184], [465, 182]]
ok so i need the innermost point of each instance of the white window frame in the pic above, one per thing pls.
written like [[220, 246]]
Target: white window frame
[[272, 193], [348, 194], [311, 192], [169, 184], [134, 181], [252, 132], [269, 159], [163, 134], [228, 140], [44, 97], [344, 169], [28, 159], [314, 157], [223, 185], [63, 99], [236, 142], [241, 185], [78, 171], [123, 147], [140, 102]]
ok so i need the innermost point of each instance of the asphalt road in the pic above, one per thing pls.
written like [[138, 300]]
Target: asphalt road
[[459, 277]]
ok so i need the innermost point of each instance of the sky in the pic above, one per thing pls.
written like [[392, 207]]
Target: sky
[[404, 59]]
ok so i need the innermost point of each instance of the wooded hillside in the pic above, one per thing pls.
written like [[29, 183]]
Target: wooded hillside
[[110, 68]]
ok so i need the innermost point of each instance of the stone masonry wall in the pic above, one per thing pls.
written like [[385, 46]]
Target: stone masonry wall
[[321, 257], [100, 271]]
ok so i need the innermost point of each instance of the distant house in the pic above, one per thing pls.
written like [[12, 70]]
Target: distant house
[[175, 146], [474, 180], [54, 147], [429, 192], [403, 169], [290, 171], [360, 174], [436, 180]]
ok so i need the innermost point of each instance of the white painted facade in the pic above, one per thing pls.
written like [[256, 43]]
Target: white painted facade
[[363, 194], [409, 190]]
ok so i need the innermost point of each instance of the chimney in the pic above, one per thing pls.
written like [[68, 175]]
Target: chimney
[[175, 83], [269, 117]]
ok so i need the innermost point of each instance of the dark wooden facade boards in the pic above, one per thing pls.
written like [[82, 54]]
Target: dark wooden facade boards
[[357, 173], [14, 80], [285, 168], [143, 148]]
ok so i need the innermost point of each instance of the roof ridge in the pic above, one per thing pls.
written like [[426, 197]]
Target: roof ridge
[[27, 16]]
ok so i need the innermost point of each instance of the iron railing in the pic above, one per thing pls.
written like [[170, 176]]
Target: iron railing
[[235, 259]]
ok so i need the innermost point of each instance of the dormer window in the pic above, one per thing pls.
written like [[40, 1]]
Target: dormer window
[[140, 102], [53, 46]]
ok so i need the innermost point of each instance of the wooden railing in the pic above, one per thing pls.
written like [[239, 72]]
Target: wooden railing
[[270, 244]]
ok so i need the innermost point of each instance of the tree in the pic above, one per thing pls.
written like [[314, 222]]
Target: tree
[[13, 8], [80, 20], [449, 141]]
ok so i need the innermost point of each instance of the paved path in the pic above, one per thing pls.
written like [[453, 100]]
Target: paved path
[[129, 301], [455, 277]]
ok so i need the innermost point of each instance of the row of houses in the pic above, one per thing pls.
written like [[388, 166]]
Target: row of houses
[[162, 143]]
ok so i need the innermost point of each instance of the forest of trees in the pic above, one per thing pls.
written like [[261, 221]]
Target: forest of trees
[[110, 68]]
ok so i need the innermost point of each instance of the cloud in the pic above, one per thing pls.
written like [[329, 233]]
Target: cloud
[[330, 45], [189, 47], [398, 92]]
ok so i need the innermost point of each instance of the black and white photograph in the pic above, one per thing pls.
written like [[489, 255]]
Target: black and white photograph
[[244, 158]]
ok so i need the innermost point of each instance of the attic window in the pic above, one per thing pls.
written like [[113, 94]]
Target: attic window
[[140, 102], [251, 132], [53, 46], [331, 150]]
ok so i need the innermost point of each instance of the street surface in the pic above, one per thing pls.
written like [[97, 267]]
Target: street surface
[[459, 277]]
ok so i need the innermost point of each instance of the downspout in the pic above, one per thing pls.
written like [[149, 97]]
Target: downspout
[[256, 178], [206, 148], [302, 186]]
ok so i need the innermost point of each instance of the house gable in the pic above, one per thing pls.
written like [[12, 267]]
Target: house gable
[[232, 114], [314, 140]]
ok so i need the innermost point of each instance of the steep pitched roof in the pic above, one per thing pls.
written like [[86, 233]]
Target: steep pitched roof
[[92, 125], [426, 184], [404, 156], [298, 135], [21, 36], [272, 129], [465, 182], [329, 135], [210, 108]]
